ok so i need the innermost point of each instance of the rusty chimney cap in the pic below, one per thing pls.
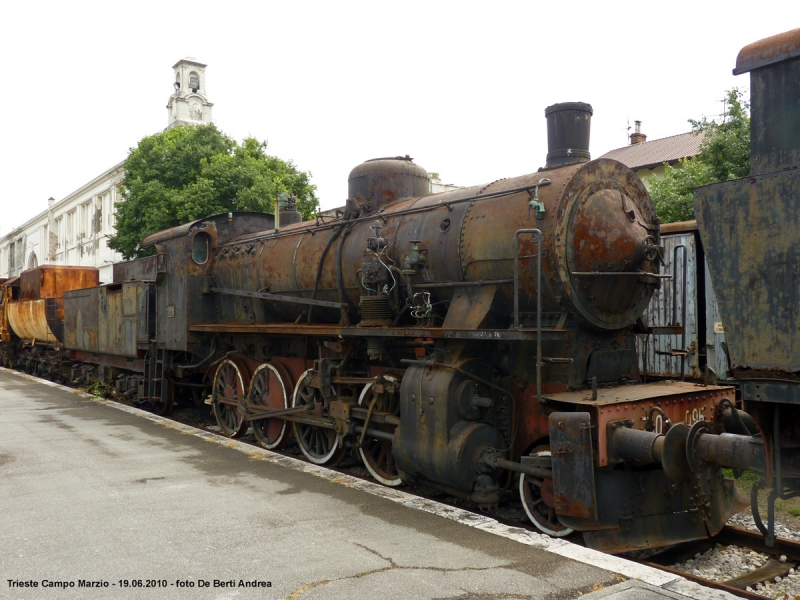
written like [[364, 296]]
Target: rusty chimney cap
[[762, 53]]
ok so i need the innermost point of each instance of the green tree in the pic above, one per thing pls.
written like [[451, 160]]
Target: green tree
[[672, 194], [724, 154], [187, 173]]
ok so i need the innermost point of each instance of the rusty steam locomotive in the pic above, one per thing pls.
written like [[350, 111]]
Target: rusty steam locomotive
[[474, 340]]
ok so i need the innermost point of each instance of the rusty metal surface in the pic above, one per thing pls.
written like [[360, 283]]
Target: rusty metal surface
[[246, 222], [634, 393], [5, 300], [448, 239], [573, 467], [37, 311], [28, 319], [680, 401], [379, 182], [749, 228], [51, 281], [678, 227], [776, 48], [182, 296], [604, 230]]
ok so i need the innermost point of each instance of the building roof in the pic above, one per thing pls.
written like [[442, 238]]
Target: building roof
[[656, 152]]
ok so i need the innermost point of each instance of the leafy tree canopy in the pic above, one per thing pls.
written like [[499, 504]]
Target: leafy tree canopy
[[724, 154], [191, 172]]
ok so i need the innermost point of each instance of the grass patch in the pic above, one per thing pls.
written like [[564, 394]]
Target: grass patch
[[745, 477], [96, 387]]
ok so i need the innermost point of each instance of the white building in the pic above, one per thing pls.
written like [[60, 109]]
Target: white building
[[75, 230], [72, 231]]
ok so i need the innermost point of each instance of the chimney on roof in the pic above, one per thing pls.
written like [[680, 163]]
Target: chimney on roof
[[637, 137], [50, 202]]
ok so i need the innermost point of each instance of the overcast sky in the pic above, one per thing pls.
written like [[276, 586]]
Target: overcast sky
[[459, 86]]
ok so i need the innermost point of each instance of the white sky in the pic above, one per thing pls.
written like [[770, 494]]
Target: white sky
[[460, 86]]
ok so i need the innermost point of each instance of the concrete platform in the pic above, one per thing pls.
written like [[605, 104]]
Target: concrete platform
[[92, 491]]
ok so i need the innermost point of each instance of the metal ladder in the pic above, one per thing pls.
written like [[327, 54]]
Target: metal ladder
[[156, 365]]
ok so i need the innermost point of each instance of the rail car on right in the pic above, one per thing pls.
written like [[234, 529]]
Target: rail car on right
[[750, 230]]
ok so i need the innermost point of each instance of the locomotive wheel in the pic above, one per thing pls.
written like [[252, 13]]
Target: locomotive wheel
[[377, 454], [164, 407], [318, 444], [270, 387], [537, 500], [230, 386]]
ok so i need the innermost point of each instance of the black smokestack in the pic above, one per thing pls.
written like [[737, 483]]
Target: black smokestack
[[568, 127]]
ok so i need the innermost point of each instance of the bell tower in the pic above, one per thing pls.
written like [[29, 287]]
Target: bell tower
[[189, 104]]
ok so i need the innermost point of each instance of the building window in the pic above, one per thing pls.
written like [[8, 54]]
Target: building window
[[86, 221], [72, 232], [112, 195]]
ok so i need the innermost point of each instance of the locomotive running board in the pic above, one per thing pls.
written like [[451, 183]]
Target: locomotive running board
[[522, 335]]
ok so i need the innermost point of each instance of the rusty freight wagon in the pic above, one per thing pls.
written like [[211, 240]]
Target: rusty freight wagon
[[33, 316]]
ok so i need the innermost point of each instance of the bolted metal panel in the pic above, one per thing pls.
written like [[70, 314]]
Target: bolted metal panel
[[749, 227], [680, 401], [573, 466]]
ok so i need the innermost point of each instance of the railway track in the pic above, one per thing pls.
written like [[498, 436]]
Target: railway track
[[783, 557]]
